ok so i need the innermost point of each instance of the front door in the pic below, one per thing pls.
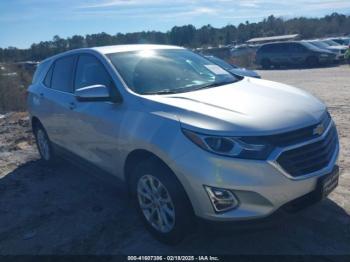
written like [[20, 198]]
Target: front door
[[96, 124]]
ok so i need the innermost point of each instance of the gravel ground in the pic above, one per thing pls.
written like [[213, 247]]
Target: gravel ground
[[67, 210]]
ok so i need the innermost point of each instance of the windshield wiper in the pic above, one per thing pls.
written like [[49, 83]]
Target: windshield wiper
[[215, 84], [181, 90], [162, 92]]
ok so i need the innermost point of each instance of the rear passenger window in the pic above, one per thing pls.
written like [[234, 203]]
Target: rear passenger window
[[62, 76], [90, 71], [266, 48], [273, 48], [279, 48]]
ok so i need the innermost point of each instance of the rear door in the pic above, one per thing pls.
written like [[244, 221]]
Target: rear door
[[61, 99]]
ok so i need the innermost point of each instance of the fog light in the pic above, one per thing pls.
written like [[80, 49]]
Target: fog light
[[222, 199]]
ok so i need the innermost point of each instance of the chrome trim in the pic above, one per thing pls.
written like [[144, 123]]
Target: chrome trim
[[272, 160]]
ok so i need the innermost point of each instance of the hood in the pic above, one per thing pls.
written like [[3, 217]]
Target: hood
[[248, 107], [244, 72]]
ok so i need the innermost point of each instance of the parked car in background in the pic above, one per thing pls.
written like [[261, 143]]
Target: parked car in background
[[331, 42], [243, 50], [188, 138], [232, 68], [293, 53], [338, 50], [341, 40], [347, 56]]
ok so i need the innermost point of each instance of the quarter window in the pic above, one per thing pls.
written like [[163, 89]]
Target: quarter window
[[63, 72], [90, 71], [47, 80], [39, 72]]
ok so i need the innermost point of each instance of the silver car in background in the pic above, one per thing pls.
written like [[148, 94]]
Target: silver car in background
[[188, 138], [337, 49]]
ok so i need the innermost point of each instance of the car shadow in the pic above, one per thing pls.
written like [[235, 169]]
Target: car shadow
[[69, 210]]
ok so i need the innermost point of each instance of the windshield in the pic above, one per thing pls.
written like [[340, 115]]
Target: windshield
[[163, 71], [220, 62], [312, 46]]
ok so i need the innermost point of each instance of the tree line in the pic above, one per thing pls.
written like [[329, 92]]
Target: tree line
[[189, 36]]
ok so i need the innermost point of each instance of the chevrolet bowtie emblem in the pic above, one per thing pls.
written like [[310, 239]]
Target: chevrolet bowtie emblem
[[318, 130]]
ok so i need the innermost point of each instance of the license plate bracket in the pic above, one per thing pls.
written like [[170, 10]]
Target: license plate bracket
[[327, 183]]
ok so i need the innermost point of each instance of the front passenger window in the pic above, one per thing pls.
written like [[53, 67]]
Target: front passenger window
[[91, 72], [63, 74]]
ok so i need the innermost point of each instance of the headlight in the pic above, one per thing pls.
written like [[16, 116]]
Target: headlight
[[239, 147]]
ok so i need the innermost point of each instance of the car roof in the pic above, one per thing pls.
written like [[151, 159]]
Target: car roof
[[134, 47], [114, 49]]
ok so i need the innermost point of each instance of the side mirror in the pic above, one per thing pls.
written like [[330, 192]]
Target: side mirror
[[93, 93]]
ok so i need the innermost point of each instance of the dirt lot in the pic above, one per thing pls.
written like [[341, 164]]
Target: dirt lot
[[67, 210]]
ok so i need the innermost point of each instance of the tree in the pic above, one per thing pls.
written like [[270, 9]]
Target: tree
[[189, 36]]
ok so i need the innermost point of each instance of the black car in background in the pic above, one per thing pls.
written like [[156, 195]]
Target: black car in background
[[232, 68], [292, 53]]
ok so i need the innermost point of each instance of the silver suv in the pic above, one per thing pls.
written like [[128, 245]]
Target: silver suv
[[187, 137]]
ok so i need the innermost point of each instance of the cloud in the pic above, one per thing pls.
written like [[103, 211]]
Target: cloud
[[218, 7]]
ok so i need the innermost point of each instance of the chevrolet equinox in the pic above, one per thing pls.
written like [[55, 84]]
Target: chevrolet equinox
[[188, 138]]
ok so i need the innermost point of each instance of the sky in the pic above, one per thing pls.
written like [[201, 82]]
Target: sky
[[23, 22]]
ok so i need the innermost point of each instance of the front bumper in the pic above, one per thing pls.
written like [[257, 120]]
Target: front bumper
[[262, 187]]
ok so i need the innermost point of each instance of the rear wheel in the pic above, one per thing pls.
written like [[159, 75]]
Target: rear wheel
[[44, 145], [161, 202]]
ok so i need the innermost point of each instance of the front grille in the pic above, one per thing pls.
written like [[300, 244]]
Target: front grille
[[311, 157], [297, 136]]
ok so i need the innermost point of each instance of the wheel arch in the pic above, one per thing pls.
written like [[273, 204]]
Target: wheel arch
[[138, 155], [35, 122]]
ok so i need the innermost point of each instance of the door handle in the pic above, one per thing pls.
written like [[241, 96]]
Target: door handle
[[41, 94], [72, 105]]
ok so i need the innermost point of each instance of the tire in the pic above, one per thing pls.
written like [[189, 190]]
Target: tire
[[312, 61], [266, 63], [44, 145], [167, 212]]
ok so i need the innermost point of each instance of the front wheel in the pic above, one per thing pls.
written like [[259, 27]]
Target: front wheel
[[161, 202]]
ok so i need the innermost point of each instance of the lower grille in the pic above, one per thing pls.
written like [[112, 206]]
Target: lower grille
[[311, 157]]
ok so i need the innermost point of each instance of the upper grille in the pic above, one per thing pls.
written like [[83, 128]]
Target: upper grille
[[311, 157], [297, 136]]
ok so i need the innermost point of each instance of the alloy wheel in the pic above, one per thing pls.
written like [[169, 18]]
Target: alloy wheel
[[156, 203]]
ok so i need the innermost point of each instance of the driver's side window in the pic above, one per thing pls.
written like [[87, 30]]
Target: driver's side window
[[90, 71]]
